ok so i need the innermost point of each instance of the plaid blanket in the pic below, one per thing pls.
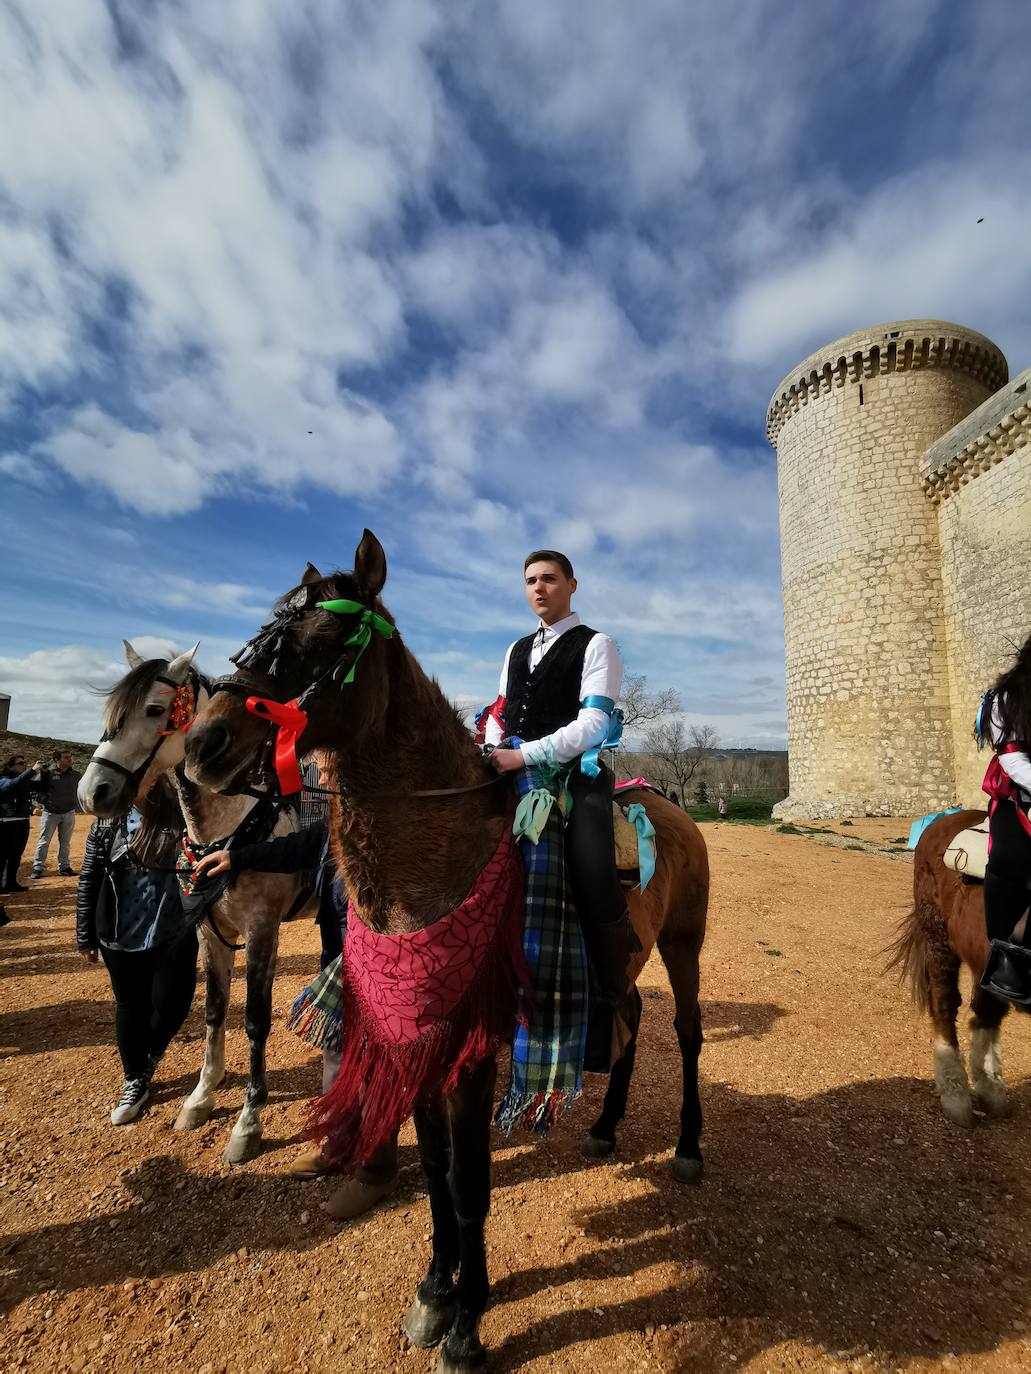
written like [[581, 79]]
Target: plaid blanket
[[548, 1049]]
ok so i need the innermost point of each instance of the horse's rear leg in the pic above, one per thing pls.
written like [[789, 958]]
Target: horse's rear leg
[[218, 973], [679, 951], [600, 1140], [432, 1314], [987, 1013], [245, 1140], [950, 1075]]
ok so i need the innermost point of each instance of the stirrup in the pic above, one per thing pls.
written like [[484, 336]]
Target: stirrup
[[1004, 951]]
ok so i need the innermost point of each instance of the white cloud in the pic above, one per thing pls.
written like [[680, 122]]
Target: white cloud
[[51, 690]]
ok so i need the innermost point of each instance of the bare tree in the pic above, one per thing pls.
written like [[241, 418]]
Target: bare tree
[[642, 707], [678, 751]]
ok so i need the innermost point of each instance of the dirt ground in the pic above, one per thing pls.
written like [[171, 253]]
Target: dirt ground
[[842, 1224]]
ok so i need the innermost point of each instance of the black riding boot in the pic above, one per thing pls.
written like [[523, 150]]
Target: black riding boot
[[1008, 974], [609, 948]]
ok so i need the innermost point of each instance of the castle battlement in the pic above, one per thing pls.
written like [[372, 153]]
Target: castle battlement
[[900, 346], [988, 435]]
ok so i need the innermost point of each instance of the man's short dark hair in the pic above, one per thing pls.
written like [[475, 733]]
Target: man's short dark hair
[[550, 556]]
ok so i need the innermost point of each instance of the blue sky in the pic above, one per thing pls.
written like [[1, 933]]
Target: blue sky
[[483, 278]]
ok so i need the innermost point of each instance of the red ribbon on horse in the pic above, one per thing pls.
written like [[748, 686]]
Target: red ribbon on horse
[[291, 722]]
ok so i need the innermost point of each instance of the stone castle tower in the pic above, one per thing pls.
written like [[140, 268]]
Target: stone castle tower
[[904, 470]]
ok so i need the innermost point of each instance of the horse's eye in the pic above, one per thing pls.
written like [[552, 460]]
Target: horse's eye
[[156, 711]]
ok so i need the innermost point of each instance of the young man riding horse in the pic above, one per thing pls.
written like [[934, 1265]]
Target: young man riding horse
[[1004, 722], [558, 689]]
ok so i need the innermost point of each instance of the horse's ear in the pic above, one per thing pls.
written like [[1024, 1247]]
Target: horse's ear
[[370, 566], [311, 574], [179, 667], [131, 656]]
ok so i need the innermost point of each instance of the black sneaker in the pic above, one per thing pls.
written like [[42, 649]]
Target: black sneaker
[[135, 1092], [37, 875], [5, 920], [16, 887], [67, 873]]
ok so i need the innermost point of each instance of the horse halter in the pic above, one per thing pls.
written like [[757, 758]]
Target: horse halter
[[181, 711]]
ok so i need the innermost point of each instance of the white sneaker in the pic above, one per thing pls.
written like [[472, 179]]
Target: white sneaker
[[135, 1093]]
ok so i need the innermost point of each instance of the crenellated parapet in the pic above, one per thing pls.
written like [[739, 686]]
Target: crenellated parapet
[[900, 346], [988, 435]]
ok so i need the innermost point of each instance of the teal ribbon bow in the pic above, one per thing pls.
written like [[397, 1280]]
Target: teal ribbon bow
[[532, 814], [638, 818], [362, 632], [589, 761]]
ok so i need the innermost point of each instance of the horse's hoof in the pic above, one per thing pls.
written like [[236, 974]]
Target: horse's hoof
[[465, 1357], [993, 1100], [595, 1147], [687, 1170], [241, 1148], [959, 1110], [190, 1118], [426, 1326]]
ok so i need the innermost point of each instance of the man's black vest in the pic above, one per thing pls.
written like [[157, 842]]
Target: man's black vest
[[538, 703]]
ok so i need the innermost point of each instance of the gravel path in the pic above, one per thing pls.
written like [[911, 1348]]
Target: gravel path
[[843, 1224]]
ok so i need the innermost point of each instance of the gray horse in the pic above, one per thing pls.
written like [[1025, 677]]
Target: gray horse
[[144, 736]]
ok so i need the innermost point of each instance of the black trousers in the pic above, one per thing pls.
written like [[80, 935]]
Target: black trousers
[[153, 991], [1006, 895], [14, 836], [590, 851]]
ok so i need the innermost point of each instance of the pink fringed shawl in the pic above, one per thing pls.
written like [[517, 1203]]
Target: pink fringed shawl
[[420, 1008]]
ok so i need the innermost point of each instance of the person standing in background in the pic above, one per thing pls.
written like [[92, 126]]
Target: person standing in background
[[60, 802], [18, 782]]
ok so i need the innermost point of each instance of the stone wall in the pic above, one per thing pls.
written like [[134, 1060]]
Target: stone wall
[[979, 478], [868, 685]]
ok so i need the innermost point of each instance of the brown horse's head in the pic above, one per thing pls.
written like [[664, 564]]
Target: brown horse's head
[[304, 654]]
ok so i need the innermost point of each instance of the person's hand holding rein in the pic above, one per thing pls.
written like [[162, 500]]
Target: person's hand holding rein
[[507, 760], [88, 956], [218, 861]]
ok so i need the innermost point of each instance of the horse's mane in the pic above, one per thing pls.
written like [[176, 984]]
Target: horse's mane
[[131, 691]]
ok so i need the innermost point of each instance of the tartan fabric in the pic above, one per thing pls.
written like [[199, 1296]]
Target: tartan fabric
[[318, 1013], [548, 1049]]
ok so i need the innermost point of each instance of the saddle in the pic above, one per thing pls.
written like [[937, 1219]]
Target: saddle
[[968, 852]]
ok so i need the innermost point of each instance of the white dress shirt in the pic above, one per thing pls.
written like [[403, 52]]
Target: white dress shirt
[[1017, 765], [602, 676]]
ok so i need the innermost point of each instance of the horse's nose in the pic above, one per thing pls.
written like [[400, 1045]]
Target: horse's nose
[[101, 793], [207, 743]]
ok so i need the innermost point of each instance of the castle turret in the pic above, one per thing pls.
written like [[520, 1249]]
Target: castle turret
[[868, 687]]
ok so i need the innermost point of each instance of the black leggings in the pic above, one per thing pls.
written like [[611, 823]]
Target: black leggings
[[591, 851], [14, 836], [1006, 895], [153, 991]]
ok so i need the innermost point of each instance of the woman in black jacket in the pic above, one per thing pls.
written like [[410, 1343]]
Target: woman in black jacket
[[17, 784], [129, 909]]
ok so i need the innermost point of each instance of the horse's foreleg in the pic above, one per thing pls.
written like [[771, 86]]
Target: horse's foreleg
[[600, 1140], [218, 973], [431, 1316], [986, 1053], [245, 1139], [680, 955], [943, 995], [469, 1109]]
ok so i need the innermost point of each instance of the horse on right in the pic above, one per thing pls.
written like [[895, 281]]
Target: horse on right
[[944, 930]]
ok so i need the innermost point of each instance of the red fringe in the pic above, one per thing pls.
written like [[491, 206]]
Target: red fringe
[[379, 1084]]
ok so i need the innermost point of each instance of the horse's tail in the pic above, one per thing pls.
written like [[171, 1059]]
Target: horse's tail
[[912, 953]]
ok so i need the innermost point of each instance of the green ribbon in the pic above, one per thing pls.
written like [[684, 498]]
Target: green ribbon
[[532, 814], [362, 633]]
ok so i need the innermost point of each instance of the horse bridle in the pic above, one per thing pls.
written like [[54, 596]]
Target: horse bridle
[[136, 775], [270, 640]]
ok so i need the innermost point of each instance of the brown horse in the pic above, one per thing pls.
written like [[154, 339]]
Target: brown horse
[[408, 860], [946, 928]]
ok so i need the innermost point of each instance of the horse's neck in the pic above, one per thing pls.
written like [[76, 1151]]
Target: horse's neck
[[405, 863], [208, 816]]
